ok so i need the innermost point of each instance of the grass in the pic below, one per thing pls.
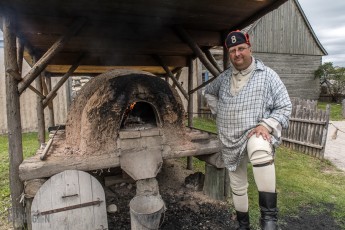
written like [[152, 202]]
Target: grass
[[336, 110], [302, 181], [30, 145]]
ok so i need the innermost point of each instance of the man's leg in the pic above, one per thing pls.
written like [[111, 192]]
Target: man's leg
[[239, 187], [261, 156]]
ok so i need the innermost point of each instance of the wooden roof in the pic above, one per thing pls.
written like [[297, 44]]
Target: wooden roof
[[127, 32]]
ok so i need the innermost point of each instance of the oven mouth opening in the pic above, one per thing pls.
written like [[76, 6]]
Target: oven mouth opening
[[139, 115]]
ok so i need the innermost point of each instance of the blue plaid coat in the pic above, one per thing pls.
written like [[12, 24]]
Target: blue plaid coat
[[264, 96]]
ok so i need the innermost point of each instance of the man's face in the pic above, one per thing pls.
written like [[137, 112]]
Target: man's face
[[241, 56]]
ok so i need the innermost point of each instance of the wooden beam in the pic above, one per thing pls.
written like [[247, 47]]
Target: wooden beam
[[190, 107], [40, 112], [47, 57], [197, 51], [52, 94], [14, 127], [171, 75], [177, 76], [212, 60], [17, 76], [50, 104], [33, 167]]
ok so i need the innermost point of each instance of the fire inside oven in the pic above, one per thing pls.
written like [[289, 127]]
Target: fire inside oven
[[139, 115]]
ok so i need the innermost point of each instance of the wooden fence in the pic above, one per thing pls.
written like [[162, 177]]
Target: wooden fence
[[308, 127]]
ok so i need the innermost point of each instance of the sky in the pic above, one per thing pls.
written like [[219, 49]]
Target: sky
[[327, 18]]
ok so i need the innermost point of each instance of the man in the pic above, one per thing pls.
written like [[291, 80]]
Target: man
[[252, 107]]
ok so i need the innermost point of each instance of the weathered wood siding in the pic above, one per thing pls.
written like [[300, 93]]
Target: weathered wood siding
[[28, 103], [296, 71], [284, 30], [284, 42]]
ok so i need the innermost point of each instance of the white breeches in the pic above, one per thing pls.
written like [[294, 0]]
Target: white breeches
[[260, 154]]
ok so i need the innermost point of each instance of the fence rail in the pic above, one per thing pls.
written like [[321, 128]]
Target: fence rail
[[308, 127]]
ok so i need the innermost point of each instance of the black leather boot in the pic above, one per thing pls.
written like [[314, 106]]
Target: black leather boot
[[243, 220], [269, 210]]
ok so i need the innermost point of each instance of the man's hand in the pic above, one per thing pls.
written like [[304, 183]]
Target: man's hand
[[261, 130]]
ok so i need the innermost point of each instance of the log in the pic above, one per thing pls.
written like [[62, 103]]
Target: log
[[198, 52], [18, 77], [212, 59], [190, 106], [50, 104], [33, 167], [40, 113], [178, 75], [214, 184], [15, 147]]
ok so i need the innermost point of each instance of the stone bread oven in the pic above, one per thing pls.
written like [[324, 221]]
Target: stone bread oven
[[122, 118], [132, 114]]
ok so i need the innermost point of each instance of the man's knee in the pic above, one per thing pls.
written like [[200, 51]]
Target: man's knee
[[260, 152]]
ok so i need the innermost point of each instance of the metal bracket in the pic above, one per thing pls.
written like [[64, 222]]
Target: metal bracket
[[97, 202]]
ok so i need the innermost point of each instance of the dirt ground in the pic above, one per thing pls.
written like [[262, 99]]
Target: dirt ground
[[188, 208]]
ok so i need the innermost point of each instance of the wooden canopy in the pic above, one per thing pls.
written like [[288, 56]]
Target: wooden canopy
[[127, 32]]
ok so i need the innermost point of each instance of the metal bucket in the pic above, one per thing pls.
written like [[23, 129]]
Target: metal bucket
[[146, 212]]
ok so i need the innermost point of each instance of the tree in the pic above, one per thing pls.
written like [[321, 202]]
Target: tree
[[333, 78]]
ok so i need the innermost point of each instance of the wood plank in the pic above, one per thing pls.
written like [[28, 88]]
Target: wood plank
[[33, 167], [57, 187], [71, 184], [86, 190], [99, 212], [302, 143]]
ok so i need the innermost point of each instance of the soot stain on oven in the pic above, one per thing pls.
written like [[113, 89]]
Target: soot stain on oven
[[122, 100]]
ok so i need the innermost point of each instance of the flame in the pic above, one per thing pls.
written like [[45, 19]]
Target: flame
[[132, 106]]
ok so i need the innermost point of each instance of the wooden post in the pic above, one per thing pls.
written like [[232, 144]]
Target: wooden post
[[190, 107], [226, 58], [226, 65], [343, 108], [325, 130], [50, 105], [214, 182], [40, 110], [51, 52], [15, 148]]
